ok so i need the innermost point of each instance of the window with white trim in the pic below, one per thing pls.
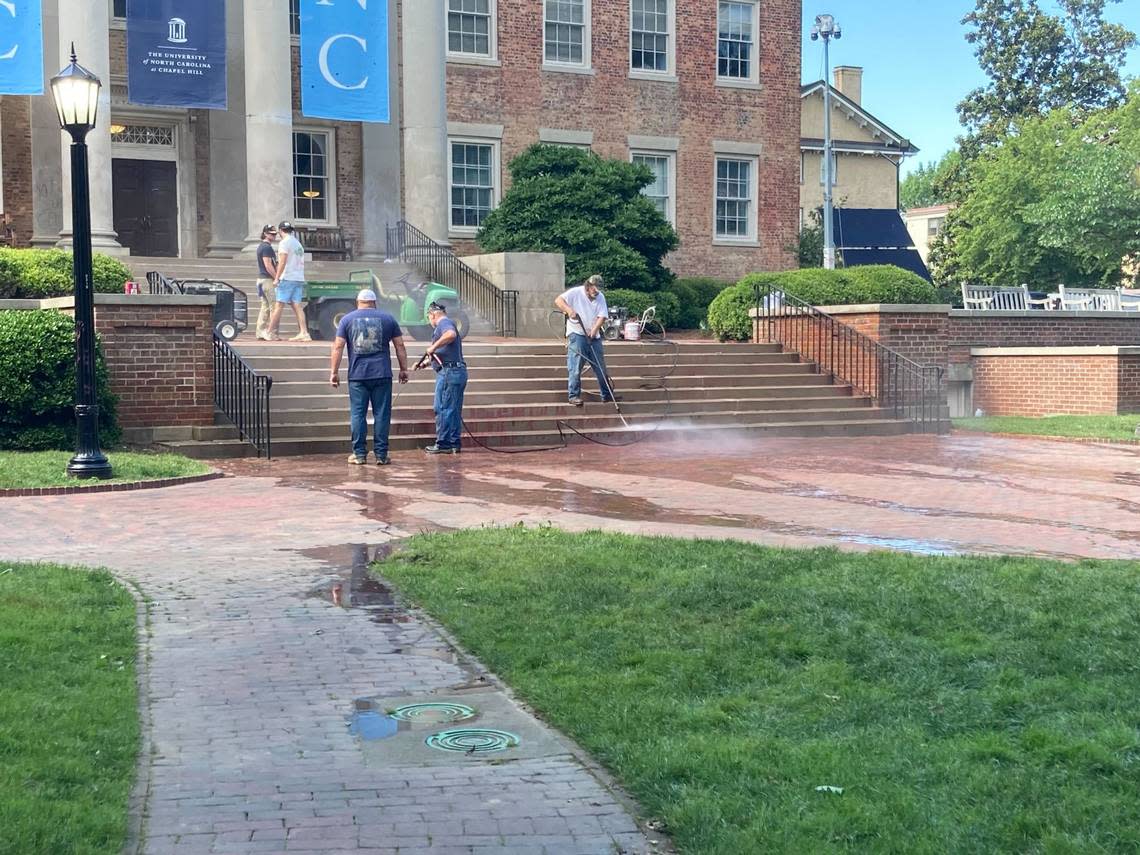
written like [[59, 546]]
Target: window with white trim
[[471, 28], [566, 32], [118, 8], [312, 176], [737, 28], [473, 182], [660, 192], [650, 35], [294, 17], [736, 198]]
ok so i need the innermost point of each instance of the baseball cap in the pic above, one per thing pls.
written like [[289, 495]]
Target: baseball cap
[[366, 295], [286, 226], [437, 307], [269, 228], [596, 280]]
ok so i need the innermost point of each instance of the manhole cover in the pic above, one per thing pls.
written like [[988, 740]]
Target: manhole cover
[[438, 713], [472, 740]]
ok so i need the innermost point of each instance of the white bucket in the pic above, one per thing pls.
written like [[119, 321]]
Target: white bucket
[[632, 331]]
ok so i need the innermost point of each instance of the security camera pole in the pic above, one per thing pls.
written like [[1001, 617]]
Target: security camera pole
[[827, 28]]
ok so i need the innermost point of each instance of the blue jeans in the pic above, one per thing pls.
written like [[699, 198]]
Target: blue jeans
[[378, 393], [589, 351], [450, 382]]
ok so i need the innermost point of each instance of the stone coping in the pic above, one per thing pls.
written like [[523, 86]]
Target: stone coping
[[1041, 314], [1096, 350], [114, 300], [99, 487], [888, 309]]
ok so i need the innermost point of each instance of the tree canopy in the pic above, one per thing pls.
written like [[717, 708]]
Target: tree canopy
[[925, 185], [590, 209]]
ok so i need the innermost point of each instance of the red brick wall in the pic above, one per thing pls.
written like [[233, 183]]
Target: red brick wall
[[1041, 330], [15, 117], [1047, 385], [612, 106], [1128, 385], [160, 361]]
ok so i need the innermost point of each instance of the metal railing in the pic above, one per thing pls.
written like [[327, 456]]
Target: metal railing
[[156, 283], [912, 392], [412, 246], [242, 394]]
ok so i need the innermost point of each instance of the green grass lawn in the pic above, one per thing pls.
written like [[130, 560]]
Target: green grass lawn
[[1093, 427], [24, 469], [962, 704], [68, 724]]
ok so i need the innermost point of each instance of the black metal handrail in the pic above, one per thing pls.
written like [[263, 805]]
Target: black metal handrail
[[242, 394], [412, 246], [913, 392], [159, 284]]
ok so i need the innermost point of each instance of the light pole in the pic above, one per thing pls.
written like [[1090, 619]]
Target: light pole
[[827, 29], [76, 94]]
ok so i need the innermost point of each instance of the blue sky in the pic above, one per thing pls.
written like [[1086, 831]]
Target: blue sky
[[917, 64]]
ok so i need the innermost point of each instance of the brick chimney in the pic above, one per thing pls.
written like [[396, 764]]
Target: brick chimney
[[849, 81]]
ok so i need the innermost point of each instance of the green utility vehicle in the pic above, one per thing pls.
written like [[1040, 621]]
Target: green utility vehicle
[[328, 302]]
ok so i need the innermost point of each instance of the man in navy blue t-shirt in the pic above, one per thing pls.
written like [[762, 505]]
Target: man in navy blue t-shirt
[[367, 333], [446, 356]]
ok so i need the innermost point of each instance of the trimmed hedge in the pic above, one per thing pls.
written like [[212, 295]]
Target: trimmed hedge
[[37, 383], [694, 295], [882, 283], [40, 273], [668, 306]]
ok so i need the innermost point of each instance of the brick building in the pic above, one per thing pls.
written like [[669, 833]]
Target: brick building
[[706, 93]]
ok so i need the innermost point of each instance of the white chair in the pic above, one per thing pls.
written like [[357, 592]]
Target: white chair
[[997, 299], [1090, 299]]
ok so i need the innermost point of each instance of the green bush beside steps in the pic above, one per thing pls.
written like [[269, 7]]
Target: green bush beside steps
[[728, 313], [36, 274]]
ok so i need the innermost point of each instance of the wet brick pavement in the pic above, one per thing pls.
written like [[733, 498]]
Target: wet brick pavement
[[251, 677]]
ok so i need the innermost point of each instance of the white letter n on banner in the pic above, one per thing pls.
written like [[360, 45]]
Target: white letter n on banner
[[11, 7]]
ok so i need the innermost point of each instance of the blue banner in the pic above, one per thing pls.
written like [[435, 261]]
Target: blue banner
[[176, 53], [21, 48], [344, 60]]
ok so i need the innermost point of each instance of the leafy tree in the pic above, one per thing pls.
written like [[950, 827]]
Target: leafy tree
[[810, 245], [1037, 62], [590, 209], [1056, 201], [928, 184]]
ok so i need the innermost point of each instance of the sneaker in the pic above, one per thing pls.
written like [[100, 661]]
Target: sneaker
[[272, 337], [264, 337], [577, 402], [357, 461], [383, 461], [437, 449], [301, 337]]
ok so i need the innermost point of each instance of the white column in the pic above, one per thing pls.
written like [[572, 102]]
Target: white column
[[425, 117], [269, 117], [229, 199], [86, 23], [47, 190], [380, 184]]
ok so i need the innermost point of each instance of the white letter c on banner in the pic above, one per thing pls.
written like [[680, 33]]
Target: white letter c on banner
[[11, 7], [324, 60]]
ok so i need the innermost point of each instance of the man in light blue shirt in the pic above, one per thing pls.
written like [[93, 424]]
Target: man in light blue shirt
[[586, 311]]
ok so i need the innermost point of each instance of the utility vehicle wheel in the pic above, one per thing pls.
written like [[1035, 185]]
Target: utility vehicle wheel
[[329, 317], [462, 322], [226, 330]]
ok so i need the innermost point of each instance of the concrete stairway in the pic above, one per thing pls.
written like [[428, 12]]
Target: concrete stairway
[[242, 274], [516, 396]]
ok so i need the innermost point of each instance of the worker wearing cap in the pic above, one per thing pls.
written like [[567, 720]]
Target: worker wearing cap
[[445, 355], [266, 272], [368, 333], [586, 310], [289, 282]]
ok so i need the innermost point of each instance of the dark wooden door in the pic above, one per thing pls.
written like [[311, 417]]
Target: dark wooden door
[[146, 205]]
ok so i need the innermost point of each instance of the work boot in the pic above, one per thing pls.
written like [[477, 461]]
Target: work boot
[[357, 461], [382, 461], [577, 402], [436, 449]]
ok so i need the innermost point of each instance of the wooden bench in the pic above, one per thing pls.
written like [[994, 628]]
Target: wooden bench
[[1001, 299], [1090, 299], [327, 242]]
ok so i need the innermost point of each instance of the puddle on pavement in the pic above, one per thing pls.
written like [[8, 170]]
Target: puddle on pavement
[[901, 544], [371, 724], [358, 589]]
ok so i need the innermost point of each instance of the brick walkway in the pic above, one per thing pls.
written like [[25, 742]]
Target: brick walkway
[[252, 677]]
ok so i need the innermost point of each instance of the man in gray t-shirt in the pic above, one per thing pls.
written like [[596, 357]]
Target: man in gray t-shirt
[[586, 310]]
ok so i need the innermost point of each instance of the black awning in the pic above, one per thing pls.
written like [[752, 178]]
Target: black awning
[[870, 228]]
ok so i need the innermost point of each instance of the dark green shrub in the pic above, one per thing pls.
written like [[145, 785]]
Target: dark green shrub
[[885, 283], [638, 301], [41, 273], [694, 295], [728, 313], [37, 383]]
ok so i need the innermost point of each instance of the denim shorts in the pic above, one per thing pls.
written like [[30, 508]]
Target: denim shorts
[[290, 291]]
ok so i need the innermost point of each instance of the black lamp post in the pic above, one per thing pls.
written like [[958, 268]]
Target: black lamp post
[[76, 94]]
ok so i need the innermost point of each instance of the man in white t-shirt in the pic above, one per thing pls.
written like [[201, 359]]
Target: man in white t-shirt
[[586, 310], [289, 282]]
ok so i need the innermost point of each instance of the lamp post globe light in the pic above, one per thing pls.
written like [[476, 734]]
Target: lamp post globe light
[[75, 91], [827, 28]]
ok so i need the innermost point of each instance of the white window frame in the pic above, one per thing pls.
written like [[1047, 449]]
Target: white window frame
[[753, 78], [117, 22], [496, 179], [587, 38], [670, 71], [294, 16], [330, 177], [670, 158], [834, 169], [754, 201], [491, 58]]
